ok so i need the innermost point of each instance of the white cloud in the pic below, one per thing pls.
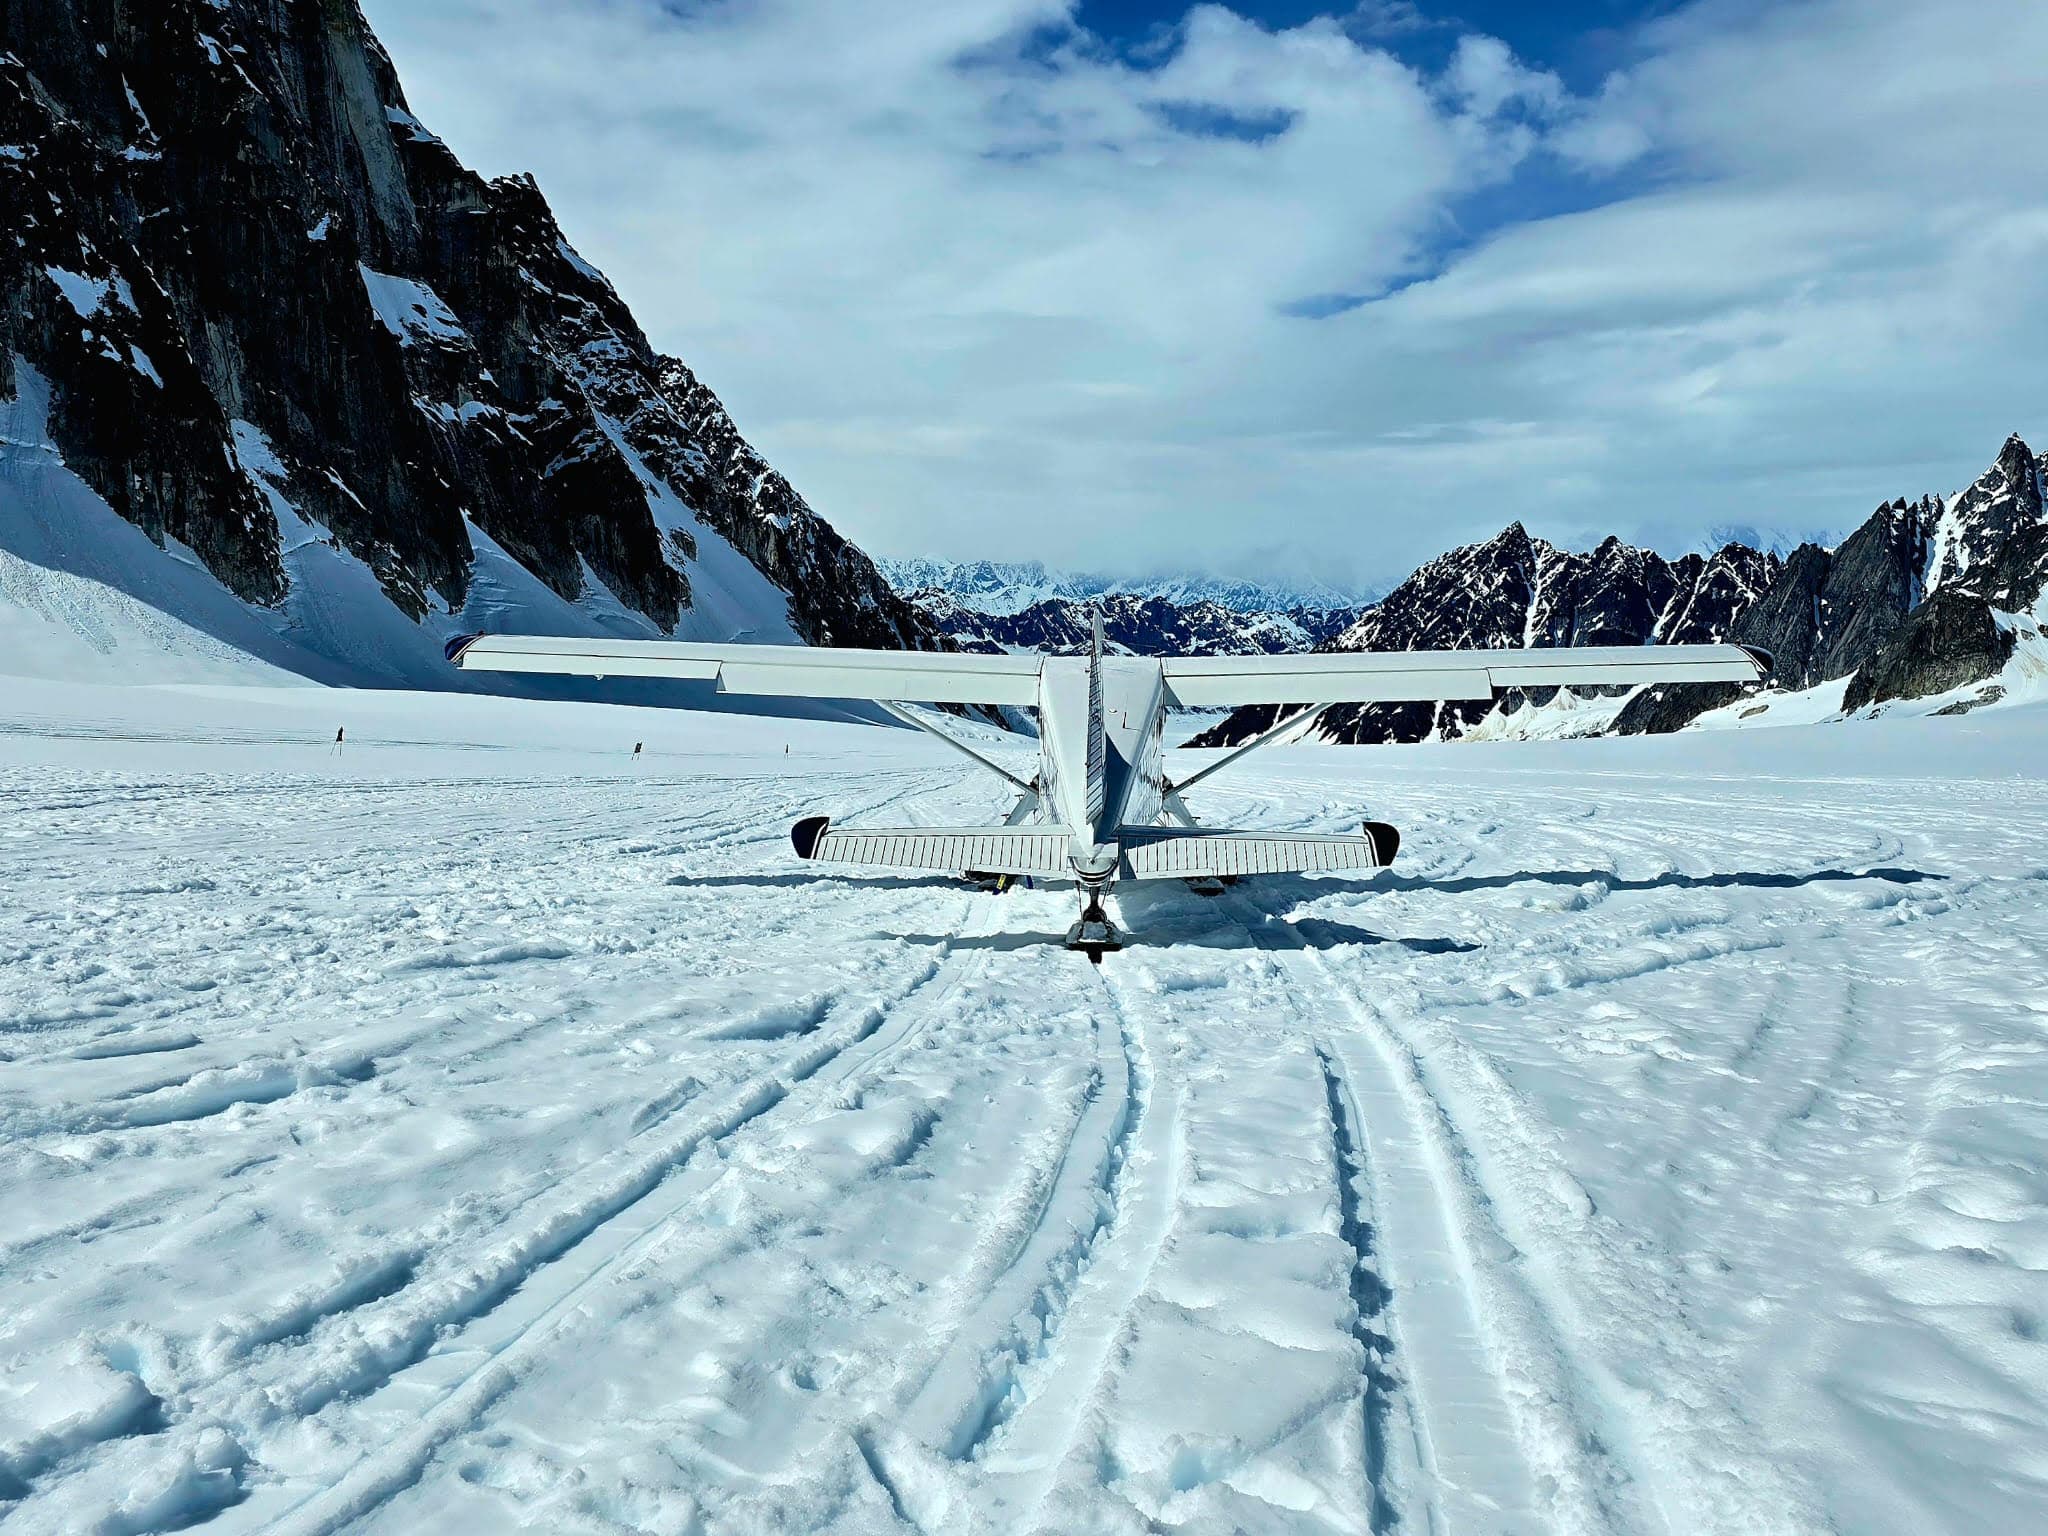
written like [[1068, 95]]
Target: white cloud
[[982, 287], [1485, 76]]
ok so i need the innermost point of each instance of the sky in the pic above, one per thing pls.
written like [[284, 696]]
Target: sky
[[1278, 290]]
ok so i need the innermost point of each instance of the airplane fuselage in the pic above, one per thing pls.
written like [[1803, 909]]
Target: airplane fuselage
[[1102, 740]]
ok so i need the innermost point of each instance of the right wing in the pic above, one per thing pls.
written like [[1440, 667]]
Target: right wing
[[787, 671], [1367, 677]]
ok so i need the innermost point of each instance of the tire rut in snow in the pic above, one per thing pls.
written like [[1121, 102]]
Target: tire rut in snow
[[979, 1381], [1370, 1295], [1033, 1334]]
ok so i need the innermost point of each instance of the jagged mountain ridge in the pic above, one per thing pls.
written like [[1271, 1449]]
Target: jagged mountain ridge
[[1920, 599], [271, 312]]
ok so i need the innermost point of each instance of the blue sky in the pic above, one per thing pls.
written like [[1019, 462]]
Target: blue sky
[[1579, 39], [1268, 289]]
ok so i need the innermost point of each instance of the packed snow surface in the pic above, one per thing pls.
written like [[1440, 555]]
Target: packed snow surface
[[484, 1128]]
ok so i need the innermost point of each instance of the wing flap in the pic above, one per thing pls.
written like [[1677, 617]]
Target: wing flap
[[785, 671], [1037, 850]]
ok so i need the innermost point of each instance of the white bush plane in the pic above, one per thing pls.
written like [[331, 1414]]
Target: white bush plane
[[1101, 807]]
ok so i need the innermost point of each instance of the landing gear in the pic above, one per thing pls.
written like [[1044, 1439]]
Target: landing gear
[[1094, 934]]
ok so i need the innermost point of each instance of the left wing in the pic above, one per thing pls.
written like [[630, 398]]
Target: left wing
[[786, 671], [1371, 677]]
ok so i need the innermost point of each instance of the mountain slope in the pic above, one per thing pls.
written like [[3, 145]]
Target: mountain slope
[[274, 322]]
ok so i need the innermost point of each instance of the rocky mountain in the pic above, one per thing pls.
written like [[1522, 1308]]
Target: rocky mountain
[[267, 317], [1921, 599], [993, 606]]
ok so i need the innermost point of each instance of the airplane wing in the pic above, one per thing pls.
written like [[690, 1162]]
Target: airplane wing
[[1370, 677], [788, 671]]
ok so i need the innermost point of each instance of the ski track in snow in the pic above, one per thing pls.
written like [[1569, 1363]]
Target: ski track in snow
[[426, 1141]]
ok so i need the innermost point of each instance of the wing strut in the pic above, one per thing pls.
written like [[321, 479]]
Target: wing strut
[[1286, 723], [911, 717]]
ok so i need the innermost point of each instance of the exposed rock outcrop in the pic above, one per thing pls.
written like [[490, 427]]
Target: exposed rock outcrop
[[1954, 638]]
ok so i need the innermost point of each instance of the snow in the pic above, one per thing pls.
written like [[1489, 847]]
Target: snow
[[410, 310], [487, 1129], [84, 294], [568, 253], [1564, 716], [416, 131], [729, 597]]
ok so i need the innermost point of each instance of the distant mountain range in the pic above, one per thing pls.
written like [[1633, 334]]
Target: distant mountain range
[[1005, 587], [988, 606]]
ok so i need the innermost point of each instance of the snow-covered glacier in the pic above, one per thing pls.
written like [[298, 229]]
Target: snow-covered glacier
[[483, 1127]]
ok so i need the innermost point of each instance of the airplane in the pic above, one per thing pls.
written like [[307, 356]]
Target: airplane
[[1101, 806]]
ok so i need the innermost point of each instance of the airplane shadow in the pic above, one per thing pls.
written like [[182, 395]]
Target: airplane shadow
[[787, 882], [1763, 880], [1255, 914]]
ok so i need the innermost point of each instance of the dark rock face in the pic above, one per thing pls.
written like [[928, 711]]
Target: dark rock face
[[1780, 619], [1825, 615], [226, 214], [1952, 639]]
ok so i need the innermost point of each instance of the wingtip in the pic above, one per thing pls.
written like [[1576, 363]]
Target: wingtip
[[455, 648], [1764, 659], [1386, 841], [807, 834]]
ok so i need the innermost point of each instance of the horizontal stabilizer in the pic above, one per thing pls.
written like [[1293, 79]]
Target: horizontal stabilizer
[[1035, 850], [1162, 853]]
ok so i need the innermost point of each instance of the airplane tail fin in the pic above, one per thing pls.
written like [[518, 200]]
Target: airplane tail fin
[[1176, 853], [1098, 740], [1029, 850]]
